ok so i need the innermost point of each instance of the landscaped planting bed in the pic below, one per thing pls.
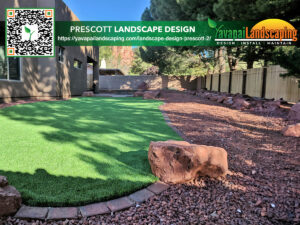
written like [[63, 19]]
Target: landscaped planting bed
[[65, 153]]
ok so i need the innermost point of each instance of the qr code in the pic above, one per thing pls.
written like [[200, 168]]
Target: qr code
[[30, 32]]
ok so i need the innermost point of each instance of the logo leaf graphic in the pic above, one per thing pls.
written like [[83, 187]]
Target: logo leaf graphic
[[211, 23], [27, 30]]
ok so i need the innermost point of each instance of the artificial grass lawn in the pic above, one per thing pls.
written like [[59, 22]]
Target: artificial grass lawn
[[69, 153]]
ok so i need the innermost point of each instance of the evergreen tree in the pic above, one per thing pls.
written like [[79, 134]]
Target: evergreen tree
[[288, 58], [138, 65]]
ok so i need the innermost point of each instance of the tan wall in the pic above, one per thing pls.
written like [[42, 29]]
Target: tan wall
[[154, 82], [37, 80], [237, 82], [224, 82], [254, 82], [73, 81]]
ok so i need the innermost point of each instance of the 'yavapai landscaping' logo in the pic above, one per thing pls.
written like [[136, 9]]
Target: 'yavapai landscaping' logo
[[269, 31]]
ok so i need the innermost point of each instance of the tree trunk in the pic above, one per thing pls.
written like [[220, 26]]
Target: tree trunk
[[206, 64], [233, 61], [221, 60], [250, 64], [230, 58], [215, 70]]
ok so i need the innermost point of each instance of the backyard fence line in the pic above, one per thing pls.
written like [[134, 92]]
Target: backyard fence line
[[263, 82], [131, 83]]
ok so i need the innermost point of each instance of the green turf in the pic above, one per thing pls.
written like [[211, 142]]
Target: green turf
[[79, 151]]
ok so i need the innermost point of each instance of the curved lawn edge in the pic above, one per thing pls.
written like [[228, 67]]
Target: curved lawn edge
[[46, 203], [100, 208]]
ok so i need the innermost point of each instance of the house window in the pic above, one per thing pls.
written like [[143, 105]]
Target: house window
[[61, 56], [77, 64], [9, 67]]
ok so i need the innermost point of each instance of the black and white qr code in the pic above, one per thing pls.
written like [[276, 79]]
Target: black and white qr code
[[30, 32]]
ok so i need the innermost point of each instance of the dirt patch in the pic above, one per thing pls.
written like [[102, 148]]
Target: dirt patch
[[263, 186]]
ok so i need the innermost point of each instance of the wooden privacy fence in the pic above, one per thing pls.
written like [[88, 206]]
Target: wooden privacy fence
[[259, 82]]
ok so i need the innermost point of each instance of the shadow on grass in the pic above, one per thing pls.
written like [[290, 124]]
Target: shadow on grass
[[86, 189], [107, 137]]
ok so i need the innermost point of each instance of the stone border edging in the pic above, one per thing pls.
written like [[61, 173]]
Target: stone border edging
[[57, 213]]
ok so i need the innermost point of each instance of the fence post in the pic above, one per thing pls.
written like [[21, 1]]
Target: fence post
[[244, 82], [211, 81], [219, 84], [205, 78], [230, 79], [264, 83]]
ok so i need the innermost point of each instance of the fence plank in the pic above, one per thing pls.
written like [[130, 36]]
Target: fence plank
[[237, 82], [224, 82], [254, 82], [215, 84]]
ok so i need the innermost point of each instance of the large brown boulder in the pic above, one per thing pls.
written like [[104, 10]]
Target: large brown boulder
[[292, 130], [294, 113], [151, 94], [10, 200], [179, 161]]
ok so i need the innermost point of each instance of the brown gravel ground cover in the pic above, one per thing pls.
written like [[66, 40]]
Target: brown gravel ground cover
[[263, 186]]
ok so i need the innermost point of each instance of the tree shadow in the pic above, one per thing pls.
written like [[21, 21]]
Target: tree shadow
[[71, 191], [108, 137]]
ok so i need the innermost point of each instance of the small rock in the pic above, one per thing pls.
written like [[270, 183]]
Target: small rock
[[272, 205], [258, 202], [263, 211], [3, 181], [214, 214], [239, 211], [294, 113], [151, 94], [88, 94], [292, 130], [10, 200], [240, 103], [138, 94], [143, 86]]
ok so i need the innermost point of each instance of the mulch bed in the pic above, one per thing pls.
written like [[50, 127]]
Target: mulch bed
[[263, 186]]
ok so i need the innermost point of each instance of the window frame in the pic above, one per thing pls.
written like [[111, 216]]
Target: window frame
[[20, 71], [61, 55], [79, 63]]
